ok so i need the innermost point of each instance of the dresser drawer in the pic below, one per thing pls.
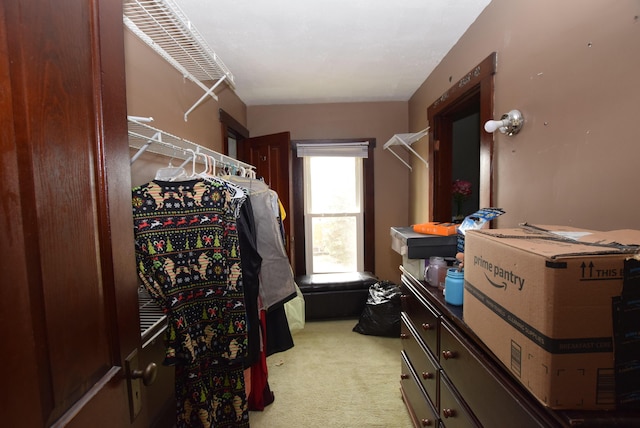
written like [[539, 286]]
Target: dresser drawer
[[489, 399], [422, 316], [423, 413], [453, 412], [423, 364]]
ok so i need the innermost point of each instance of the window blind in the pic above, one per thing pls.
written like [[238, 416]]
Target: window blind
[[352, 149]]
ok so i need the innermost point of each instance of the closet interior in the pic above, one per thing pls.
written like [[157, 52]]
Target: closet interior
[[190, 158], [162, 26], [184, 234]]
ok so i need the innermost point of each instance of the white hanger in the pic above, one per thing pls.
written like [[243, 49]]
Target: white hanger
[[238, 192], [212, 165], [193, 162], [171, 173], [204, 173], [209, 174]]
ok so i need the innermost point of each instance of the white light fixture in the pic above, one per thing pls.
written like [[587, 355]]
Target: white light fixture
[[510, 123]]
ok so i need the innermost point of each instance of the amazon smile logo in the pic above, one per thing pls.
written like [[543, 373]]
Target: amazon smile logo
[[495, 284]]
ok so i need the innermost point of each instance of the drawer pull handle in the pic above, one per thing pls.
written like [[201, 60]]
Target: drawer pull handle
[[427, 375], [404, 376], [448, 413], [425, 422], [448, 354], [427, 326], [404, 336]]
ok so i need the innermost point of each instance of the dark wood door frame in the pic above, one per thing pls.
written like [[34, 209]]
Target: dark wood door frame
[[475, 85], [230, 127]]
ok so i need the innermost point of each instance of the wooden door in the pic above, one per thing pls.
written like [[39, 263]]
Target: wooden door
[[271, 155], [68, 300]]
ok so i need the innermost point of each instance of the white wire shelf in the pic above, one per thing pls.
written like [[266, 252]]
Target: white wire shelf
[[146, 138], [406, 140], [163, 26]]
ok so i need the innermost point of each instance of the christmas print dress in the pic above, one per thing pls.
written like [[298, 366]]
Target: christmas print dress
[[188, 259]]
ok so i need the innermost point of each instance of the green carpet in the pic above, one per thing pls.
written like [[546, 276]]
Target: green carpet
[[335, 378]]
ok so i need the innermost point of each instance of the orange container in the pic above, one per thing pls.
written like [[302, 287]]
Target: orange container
[[436, 228]]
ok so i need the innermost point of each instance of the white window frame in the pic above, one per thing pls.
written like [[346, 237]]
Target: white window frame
[[359, 216]]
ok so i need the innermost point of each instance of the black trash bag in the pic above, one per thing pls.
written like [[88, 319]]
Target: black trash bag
[[381, 314]]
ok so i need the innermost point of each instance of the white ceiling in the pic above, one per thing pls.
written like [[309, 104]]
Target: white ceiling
[[321, 51]]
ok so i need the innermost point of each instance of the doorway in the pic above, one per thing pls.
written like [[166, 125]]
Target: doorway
[[465, 165], [233, 133], [271, 155], [458, 148]]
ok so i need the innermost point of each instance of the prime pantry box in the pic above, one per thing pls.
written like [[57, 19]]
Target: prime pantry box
[[540, 298]]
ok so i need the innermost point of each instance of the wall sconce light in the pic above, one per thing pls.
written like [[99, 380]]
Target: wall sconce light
[[510, 123]]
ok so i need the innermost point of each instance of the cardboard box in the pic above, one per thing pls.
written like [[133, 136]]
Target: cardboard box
[[415, 266], [541, 299]]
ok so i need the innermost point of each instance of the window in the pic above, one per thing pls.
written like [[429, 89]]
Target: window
[[333, 214], [361, 152]]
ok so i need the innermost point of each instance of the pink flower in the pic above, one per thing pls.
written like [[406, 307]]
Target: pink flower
[[461, 189]]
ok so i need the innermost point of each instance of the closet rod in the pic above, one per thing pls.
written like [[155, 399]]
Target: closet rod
[[146, 138]]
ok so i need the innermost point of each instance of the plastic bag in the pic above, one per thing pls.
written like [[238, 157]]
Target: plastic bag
[[294, 310], [476, 221], [381, 314]]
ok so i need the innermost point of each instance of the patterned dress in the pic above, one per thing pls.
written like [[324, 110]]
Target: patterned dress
[[188, 259]]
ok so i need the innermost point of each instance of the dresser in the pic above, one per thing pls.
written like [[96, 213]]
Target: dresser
[[450, 379]]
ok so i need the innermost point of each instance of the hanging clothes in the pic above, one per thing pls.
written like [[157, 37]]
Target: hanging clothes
[[188, 259], [277, 284], [261, 394], [251, 262], [279, 337]]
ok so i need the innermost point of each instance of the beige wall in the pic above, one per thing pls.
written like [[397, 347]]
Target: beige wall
[[572, 68], [156, 89], [357, 120]]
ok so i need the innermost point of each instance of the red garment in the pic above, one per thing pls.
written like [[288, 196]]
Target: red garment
[[261, 395]]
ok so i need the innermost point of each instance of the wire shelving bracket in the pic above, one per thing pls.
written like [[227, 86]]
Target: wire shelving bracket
[[406, 140], [163, 26]]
